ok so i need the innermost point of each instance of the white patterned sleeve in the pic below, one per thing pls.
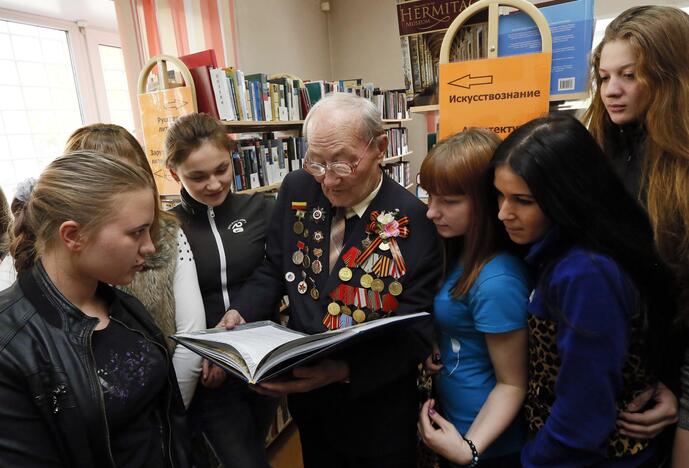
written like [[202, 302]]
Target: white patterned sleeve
[[189, 316]]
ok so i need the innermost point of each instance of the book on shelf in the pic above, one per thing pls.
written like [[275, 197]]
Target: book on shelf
[[398, 144], [260, 351], [205, 97], [399, 171], [260, 162]]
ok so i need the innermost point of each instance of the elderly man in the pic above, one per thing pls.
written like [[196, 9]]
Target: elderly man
[[347, 245]]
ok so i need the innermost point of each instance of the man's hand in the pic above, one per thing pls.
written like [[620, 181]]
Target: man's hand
[[306, 379], [443, 439], [212, 376], [231, 319], [651, 422]]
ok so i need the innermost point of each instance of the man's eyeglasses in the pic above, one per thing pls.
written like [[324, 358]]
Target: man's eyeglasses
[[339, 168]]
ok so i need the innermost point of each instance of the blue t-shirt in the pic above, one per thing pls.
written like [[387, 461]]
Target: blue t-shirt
[[495, 303]]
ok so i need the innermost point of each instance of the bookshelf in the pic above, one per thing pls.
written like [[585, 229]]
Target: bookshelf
[[246, 126], [394, 159]]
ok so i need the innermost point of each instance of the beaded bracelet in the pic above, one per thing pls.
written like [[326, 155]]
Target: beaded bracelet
[[474, 453]]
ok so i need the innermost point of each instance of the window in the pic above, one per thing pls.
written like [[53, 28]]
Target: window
[[54, 78], [39, 105]]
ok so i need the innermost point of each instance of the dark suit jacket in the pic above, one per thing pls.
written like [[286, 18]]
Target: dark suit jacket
[[376, 412]]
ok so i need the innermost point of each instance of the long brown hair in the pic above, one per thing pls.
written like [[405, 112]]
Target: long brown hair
[[659, 37], [116, 141], [82, 186], [459, 165]]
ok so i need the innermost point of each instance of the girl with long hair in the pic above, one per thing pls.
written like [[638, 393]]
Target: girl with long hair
[[480, 312], [639, 114], [600, 315], [167, 286], [85, 375]]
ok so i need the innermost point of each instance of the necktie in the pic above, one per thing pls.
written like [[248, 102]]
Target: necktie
[[337, 230]]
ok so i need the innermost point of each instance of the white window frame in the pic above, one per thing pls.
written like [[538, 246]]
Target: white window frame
[[95, 38], [88, 75]]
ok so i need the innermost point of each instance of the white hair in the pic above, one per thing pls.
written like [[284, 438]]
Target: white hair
[[361, 109]]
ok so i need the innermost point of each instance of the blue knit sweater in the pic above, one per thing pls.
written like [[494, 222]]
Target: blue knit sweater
[[591, 301]]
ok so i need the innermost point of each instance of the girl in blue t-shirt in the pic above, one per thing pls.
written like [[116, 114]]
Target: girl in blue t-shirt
[[480, 312], [600, 314]]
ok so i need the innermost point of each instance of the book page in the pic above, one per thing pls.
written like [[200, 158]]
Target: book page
[[253, 341]]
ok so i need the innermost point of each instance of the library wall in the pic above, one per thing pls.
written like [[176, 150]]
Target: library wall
[[280, 36], [365, 43]]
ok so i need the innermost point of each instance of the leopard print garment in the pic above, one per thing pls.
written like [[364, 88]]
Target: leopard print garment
[[544, 364]]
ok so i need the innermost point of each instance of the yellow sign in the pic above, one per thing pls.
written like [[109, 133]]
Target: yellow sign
[[158, 110], [499, 93]]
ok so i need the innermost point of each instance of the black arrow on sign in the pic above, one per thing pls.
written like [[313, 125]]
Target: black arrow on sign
[[467, 81], [176, 104]]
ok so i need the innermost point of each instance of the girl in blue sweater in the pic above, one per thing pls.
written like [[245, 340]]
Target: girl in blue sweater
[[600, 311], [479, 311]]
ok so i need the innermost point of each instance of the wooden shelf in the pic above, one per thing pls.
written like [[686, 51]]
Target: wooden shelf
[[394, 159], [422, 109], [395, 121], [261, 126], [265, 188]]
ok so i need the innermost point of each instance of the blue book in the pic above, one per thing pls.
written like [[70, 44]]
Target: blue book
[[571, 25]]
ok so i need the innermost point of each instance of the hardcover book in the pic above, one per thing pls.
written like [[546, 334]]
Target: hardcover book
[[259, 351]]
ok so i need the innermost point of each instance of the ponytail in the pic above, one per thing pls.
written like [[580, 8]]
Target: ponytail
[[23, 246]]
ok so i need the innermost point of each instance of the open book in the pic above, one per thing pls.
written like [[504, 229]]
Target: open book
[[262, 350]]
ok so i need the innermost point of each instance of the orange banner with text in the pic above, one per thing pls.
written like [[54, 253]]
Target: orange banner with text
[[158, 110], [500, 93]]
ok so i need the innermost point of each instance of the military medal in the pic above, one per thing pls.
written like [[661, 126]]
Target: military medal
[[366, 280], [345, 274], [306, 261], [302, 287], [345, 321], [300, 208], [384, 246], [306, 234], [344, 309], [350, 256], [289, 276], [298, 256], [318, 236], [359, 316], [316, 265], [395, 288], [377, 285], [317, 214], [366, 241], [334, 308]]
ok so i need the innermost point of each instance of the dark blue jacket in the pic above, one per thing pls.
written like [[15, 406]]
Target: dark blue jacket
[[584, 345]]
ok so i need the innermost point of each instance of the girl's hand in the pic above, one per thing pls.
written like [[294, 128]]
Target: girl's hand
[[653, 421], [432, 364], [441, 436]]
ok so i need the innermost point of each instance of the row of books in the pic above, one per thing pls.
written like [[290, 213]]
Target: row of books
[[258, 97], [260, 162], [400, 172], [398, 143]]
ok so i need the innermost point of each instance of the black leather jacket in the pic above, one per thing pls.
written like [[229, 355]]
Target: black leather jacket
[[51, 404]]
